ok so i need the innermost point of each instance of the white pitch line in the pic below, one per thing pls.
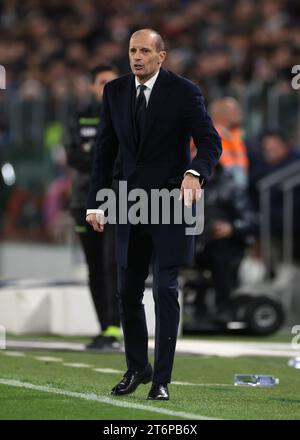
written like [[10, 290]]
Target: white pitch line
[[48, 359], [77, 365], [203, 384], [108, 371], [14, 353], [91, 397], [203, 347]]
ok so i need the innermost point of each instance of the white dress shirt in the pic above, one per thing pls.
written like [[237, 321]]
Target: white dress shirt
[[147, 92], [149, 84]]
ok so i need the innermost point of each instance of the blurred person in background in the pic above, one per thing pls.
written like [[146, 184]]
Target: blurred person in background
[[274, 154], [98, 248], [23, 219], [57, 198], [227, 117], [230, 225]]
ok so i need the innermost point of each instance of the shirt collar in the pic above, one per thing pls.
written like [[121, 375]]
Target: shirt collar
[[150, 83]]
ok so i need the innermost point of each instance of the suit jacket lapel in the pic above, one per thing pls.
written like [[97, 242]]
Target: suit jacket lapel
[[156, 102], [127, 108]]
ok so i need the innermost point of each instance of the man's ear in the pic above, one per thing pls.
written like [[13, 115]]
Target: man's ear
[[162, 56]]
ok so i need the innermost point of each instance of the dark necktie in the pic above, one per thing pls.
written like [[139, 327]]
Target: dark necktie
[[140, 111]]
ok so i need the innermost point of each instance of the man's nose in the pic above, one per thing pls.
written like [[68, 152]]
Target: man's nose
[[137, 56]]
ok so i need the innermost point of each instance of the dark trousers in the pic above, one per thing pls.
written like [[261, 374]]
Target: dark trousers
[[222, 257], [131, 285], [99, 251]]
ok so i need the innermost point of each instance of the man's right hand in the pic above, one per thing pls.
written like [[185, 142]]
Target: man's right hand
[[96, 221]]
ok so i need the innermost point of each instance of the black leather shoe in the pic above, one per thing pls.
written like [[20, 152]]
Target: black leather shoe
[[131, 380], [158, 392], [102, 342]]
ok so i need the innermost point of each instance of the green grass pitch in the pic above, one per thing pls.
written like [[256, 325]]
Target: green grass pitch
[[213, 394]]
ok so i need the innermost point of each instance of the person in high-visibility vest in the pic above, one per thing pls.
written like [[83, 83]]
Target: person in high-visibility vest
[[227, 117]]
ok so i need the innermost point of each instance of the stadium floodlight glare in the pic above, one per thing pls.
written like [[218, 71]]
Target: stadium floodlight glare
[[8, 174]]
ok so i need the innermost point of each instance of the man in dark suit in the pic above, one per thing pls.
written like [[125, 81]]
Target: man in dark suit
[[149, 117]]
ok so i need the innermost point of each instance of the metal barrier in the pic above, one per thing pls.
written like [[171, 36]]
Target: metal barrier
[[288, 178], [288, 187]]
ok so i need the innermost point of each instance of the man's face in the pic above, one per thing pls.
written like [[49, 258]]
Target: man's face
[[274, 149], [100, 80], [145, 59], [235, 116]]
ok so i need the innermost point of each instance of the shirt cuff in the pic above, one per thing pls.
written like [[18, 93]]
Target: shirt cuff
[[192, 172], [94, 211], [195, 173]]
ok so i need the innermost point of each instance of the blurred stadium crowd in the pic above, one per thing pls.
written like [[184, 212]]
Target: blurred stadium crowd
[[244, 49], [222, 44]]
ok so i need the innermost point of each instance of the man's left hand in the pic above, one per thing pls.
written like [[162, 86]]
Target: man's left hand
[[190, 190]]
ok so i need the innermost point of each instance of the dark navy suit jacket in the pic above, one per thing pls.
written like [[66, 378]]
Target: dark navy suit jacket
[[175, 112]]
